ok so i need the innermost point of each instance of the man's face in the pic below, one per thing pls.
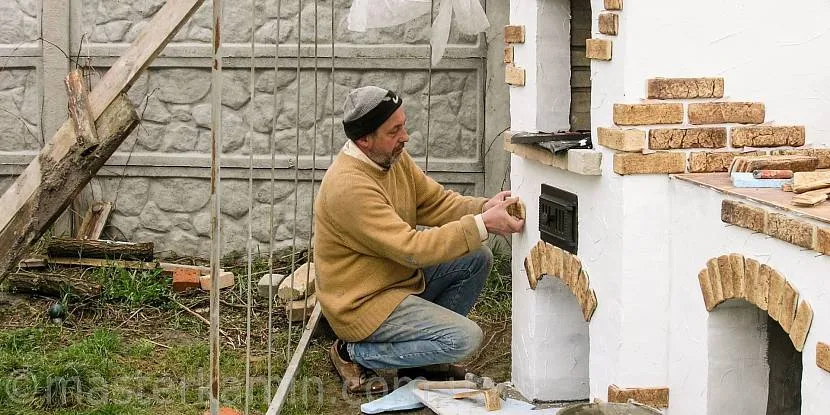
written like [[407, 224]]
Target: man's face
[[385, 145]]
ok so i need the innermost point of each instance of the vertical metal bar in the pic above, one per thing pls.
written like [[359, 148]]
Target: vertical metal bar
[[429, 86], [296, 168], [331, 133], [252, 91], [272, 149], [313, 166], [215, 242]]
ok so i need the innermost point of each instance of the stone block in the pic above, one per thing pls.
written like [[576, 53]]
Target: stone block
[[685, 88], [726, 279], [185, 279], [801, 325], [572, 267], [776, 292], [558, 258], [761, 289], [823, 240], [714, 279], [513, 75], [726, 112], [736, 261], [789, 303], [706, 289], [655, 397], [301, 285], [297, 310], [508, 54], [581, 289], [628, 140], [585, 161], [822, 154], [790, 230], [590, 306], [823, 356], [265, 282], [599, 49], [613, 4], [609, 23], [546, 256], [712, 162], [514, 34], [743, 215], [672, 138], [752, 268], [226, 279], [532, 279], [655, 163], [768, 136], [647, 114]]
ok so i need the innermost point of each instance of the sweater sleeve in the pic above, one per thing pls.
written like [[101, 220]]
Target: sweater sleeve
[[369, 224], [438, 206]]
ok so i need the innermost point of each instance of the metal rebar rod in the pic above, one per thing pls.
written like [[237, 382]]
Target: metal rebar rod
[[215, 191], [296, 169], [273, 150], [252, 92], [429, 87]]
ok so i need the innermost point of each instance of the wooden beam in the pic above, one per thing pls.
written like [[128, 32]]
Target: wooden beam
[[79, 110], [92, 248], [294, 365], [118, 79], [61, 181], [94, 221]]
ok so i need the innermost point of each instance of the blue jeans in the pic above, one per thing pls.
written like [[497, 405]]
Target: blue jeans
[[431, 328]]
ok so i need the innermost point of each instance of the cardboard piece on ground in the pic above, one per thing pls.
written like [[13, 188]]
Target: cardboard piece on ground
[[400, 399], [226, 279], [442, 403]]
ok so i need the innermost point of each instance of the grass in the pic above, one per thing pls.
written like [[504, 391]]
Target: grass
[[133, 350]]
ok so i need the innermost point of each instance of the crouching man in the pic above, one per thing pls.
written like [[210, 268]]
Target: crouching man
[[395, 296]]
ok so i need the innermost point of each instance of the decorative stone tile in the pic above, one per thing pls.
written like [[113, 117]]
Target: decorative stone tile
[[822, 154], [655, 397], [514, 34], [790, 230], [674, 138], [743, 215], [655, 163], [726, 112], [801, 325], [685, 88], [768, 136], [712, 161], [599, 49], [628, 140], [609, 23], [647, 114]]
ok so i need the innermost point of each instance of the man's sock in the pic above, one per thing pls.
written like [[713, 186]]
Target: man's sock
[[344, 354]]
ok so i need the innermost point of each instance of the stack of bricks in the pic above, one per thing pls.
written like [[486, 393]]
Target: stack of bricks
[[609, 24], [513, 75], [734, 277], [665, 134], [777, 225]]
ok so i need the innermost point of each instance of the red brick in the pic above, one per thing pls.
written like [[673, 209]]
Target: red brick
[[225, 411], [185, 278]]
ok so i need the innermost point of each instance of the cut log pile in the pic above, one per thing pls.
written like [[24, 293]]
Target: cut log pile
[[810, 186]]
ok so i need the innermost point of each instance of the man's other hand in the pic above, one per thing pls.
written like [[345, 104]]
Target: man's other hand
[[498, 221], [495, 200]]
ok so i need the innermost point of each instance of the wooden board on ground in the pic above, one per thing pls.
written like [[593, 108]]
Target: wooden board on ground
[[303, 283], [91, 248], [442, 403], [94, 221]]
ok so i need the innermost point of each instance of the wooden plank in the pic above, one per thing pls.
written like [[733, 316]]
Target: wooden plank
[[770, 197], [80, 111], [811, 198], [91, 248], [294, 365], [94, 221], [164, 25], [60, 182]]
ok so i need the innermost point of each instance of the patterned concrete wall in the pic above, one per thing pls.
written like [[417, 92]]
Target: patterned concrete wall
[[159, 177]]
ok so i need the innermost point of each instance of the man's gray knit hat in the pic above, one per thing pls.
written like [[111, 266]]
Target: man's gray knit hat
[[366, 108]]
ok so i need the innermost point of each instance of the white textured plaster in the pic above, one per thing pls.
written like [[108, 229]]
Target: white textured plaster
[[764, 52], [553, 65], [523, 12], [696, 211]]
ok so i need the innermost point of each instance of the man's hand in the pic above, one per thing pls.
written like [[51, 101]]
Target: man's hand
[[495, 200], [498, 221]]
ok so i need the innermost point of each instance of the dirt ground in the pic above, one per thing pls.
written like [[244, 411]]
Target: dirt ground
[[169, 341]]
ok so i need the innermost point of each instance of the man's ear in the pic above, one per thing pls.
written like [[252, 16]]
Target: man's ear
[[362, 142]]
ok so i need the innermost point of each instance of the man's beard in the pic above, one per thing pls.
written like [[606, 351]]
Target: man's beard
[[386, 160]]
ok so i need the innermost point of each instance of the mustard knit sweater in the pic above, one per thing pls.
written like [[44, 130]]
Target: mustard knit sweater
[[367, 251]]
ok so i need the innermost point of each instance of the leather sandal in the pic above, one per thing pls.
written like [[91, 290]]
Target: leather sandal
[[356, 378]]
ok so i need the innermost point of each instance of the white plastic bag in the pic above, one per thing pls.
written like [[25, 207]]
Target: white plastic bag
[[469, 18]]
